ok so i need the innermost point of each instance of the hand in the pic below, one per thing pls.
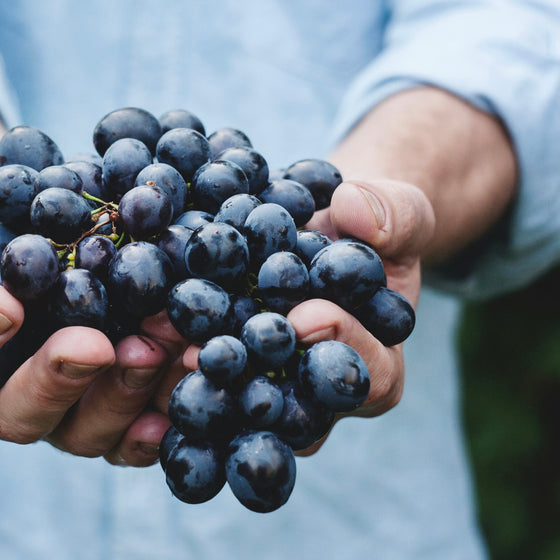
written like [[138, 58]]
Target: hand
[[82, 395]]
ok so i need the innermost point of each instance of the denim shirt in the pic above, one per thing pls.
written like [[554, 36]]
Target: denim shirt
[[295, 76]]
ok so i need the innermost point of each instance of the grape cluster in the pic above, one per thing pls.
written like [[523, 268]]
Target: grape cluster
[[165, 217]]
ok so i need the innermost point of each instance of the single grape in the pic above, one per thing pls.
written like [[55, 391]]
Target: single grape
[[27, 145], [335, 374], [58, 176], [234, 210], [292, 196], [388, 316], [180, 118], [222, 359], [195, 471], [225, 138], [29, 267], [215, 182], [270, 339], [319, 176], [128, 122], [253, 164], [261, 401], [185, 149], [173, 242], [260, 470], [91, 175], [169, 180], [145, 211], [94, 253], [199, 309], [168, 442], [309, 243], [243, 307], [79, 298], [193, 219], [200, 409], [60, 214], [17, 191]]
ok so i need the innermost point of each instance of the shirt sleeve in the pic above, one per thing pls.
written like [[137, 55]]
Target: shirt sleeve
[[9, 113], [502, 56]]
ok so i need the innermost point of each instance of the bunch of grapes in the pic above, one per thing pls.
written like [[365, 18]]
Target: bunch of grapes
[[165, 217]]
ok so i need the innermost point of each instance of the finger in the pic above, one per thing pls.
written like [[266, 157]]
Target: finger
[[159, 328], [394, 217], [113, 401], [139, 446], [173, 375], [11, 315], [315, 320], [37, 396]]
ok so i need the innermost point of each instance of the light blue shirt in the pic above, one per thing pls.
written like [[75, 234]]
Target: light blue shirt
[[294, 75]]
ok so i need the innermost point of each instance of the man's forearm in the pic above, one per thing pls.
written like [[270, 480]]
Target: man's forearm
[[459, 156]]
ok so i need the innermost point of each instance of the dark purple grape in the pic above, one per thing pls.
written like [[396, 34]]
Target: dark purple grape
[[261, 401], [195, 471], [193, 219], [201, 410], [6, 235], [58, 176], [79, 298], [222, 359], [234, 210], [145, 211], [17, 191], [169, 180], [269, 228], [270, 340], [92, 179], [122, 162], [309, 243], [388, 316], [168, 442], [94, 253], [215, 182], [128, 122], [243, 307], [180, 118], [225, 138], [185, 149], [319, 176], [85, 157], [260, 470], [27, 145], [292, 196], [217, 252], [29, 267], [347, 273], [283, 281], [174, 241], [253, 164], [335, 374], [199, 309], [139, 279], [60, 214], [304, 420]]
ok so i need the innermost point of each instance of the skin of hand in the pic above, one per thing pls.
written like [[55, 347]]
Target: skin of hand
[[452, 173]]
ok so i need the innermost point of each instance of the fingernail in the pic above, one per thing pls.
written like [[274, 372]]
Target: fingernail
[[149, 448], [316, 336], [375, 205], [5, 324], [136, 378], [77, 371]]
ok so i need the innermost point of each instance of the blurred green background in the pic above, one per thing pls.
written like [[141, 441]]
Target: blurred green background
[[510, 351]]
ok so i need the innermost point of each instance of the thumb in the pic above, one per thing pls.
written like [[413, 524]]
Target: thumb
[[395, 217]]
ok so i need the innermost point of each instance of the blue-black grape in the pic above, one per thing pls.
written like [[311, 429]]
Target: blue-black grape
[[335, 374], [234, 210], [215, 182], [92, 179], [199, 309], [94, 253], [388, 315], [222, 359], [60, 214], [225, 138], [29, 267], [145, 211], [293, 196], [260, 470], [169, 180], [173, 242], [185, 149], [58, 176], [193, 219], [180, 118], [243, 307], [17, 191], [168, 442], [195, 472], [309, 243], [261, 401], [128, 122], [27, 145], [253, 164]]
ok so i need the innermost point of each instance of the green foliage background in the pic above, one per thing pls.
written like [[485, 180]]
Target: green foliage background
[[510, 350]]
